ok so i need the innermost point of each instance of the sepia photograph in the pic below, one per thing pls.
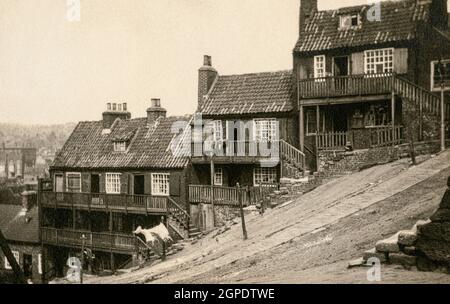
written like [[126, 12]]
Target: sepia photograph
[[220, 149]]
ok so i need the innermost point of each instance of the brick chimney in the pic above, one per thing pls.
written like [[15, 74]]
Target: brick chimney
[[155, 111], [439, 14], [307, 8], [206, 77], [114, 111]]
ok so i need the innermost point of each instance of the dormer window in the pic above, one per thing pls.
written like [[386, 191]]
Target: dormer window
[[120, 146], [349, 22]]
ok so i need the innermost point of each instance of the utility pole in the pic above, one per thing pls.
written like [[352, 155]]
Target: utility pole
[[20, 278], [244, 228], [212, 188], [442, 72]]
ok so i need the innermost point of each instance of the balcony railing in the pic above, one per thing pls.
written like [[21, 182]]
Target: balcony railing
[[237, 148], [99, 241], [229, 195], [372, 138], [103, 201], [354, 85]]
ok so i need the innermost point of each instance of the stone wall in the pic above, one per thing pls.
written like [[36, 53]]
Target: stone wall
[[337, 163], [434, 238]]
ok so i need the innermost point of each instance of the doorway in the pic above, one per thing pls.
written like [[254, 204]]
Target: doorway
[[28, 265], [341, 66], [95, 183], [59, 185], [139, 185]]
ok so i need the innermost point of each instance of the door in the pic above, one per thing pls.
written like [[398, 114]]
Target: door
[[139, 185], [95, 188], [59, 183], [341, 70], [28, 266]]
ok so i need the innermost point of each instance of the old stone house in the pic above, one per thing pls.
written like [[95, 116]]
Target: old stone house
[[369, 76], [365, 81], [110, 177]]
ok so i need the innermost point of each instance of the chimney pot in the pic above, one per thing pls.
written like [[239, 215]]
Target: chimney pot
[[207, 61], [155, 111], [156, 102]]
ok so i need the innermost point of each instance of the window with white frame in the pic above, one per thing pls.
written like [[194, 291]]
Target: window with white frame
[[265, 130], [218, 177], [160, 184], [440, 73], [319, 66], [379, 61], [120, 146], [16, 255], [264, 176], [217, 130], [73, 182], [113, 183]]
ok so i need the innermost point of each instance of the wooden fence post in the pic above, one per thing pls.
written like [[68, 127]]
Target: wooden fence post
[[244, 229]]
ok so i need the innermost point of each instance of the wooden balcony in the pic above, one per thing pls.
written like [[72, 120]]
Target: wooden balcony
[[341, 86], [239, 152], [142, 204], [229, 195], [110, 242]]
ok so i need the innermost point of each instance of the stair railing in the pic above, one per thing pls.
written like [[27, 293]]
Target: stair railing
[[178, 213], [292, 155]]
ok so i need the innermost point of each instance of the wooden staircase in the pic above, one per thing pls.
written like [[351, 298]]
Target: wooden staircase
[[293, 161], [180, 221], [422, 98]]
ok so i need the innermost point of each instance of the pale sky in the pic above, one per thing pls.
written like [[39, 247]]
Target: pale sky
[[54, 71]]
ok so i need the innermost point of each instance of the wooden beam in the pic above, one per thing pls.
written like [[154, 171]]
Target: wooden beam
[[20, 278], [393, 117], [301, 121]]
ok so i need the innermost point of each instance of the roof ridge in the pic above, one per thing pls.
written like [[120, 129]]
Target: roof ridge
[[259, 73]]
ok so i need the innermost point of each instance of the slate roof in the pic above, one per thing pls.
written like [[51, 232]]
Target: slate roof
[[268, 92], [18, 226], [398, 23], [149, 146]]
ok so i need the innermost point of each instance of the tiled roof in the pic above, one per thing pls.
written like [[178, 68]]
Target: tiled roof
[[398, 23], [250, 93], [149, 146], [19, 226]]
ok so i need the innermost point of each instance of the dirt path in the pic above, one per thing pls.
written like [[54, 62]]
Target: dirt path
[[312, 239]]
